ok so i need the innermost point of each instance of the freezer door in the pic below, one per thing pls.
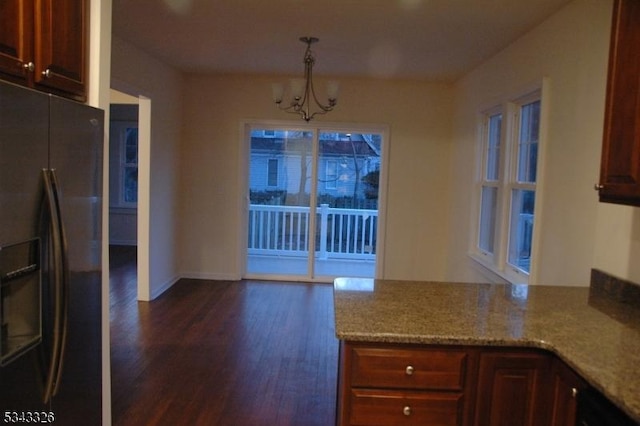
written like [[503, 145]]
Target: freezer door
[[24, 127], [23, 153]]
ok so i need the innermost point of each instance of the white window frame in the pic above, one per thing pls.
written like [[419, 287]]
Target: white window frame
[[497, 262]]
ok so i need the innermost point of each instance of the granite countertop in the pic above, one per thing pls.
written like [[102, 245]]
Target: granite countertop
[[595, 335]]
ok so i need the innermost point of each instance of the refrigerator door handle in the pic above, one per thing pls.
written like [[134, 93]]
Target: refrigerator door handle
[[60, 274]]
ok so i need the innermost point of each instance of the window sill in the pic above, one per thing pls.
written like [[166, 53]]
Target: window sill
[[500, 275]]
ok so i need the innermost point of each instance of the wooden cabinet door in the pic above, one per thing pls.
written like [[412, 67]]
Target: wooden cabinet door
[[512, 388], [566, 386], [60, 50], [620, 164], [16, 39]]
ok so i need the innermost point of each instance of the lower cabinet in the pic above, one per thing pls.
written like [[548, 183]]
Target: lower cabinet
[[405, 385], [389, 384], [512, 387], [566, 385]]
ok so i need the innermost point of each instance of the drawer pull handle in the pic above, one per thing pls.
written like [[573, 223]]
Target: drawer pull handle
[[406, 411], [409, 370]]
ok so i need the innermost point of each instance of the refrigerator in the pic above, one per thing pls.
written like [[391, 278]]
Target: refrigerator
[[50, 259]]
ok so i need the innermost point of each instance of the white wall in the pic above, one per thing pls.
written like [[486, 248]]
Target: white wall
[[139, 74], [433, 137], [571, 50], [211, 188], [617, 249]]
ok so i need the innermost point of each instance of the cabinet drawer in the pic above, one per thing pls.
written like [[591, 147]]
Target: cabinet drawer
[[408, 368], [374, 407]]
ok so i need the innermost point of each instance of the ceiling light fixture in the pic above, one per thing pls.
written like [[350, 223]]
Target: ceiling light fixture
[[302, 91]]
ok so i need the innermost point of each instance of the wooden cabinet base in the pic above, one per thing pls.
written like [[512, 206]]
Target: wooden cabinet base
[[387, 384], [405, 384]]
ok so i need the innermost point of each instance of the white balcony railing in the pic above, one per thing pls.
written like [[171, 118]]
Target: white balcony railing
[[341, 233]]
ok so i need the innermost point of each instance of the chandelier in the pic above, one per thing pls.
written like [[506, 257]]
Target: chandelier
[[303, 96]]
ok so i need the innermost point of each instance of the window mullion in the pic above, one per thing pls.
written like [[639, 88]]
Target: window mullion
[[501, 229]]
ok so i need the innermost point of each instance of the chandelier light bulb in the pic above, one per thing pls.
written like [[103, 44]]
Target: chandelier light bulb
[[333, 87]]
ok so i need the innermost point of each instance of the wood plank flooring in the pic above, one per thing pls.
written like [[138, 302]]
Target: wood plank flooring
[[222, 353]]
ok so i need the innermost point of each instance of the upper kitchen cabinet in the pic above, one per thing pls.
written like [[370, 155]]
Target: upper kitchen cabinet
[[620, 164], [42, 45], [16, 39]]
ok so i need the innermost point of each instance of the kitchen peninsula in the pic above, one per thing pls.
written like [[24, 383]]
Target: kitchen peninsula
[[443, 352]]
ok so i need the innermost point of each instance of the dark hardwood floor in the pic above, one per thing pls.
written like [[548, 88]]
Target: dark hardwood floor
[[222, 353]]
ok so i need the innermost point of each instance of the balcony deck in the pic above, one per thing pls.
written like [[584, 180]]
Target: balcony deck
[[279, 238], [260, 265]]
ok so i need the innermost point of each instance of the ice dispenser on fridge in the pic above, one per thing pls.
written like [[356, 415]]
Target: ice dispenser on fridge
[[20, 293]]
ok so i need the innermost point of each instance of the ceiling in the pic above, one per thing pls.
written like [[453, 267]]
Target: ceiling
[[438, 40]]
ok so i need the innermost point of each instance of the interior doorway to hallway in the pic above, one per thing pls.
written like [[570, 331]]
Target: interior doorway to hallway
[[129, 164]]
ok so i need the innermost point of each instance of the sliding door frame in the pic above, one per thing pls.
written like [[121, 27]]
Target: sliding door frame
[[316, 128]]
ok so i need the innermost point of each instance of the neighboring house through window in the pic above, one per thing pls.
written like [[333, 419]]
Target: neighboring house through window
[[507, 187]]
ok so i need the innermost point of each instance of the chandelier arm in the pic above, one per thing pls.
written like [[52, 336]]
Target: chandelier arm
[[323, 109]]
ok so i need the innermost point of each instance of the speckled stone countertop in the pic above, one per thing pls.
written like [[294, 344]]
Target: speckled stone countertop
[[598, 337]]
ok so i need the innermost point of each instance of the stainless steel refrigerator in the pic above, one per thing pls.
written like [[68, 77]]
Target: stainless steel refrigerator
[[50, 259]]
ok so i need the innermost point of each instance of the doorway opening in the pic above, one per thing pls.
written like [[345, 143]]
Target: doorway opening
[[129, 164], [314, 198]]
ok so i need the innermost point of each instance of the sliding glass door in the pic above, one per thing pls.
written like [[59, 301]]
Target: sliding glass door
[[348, 171], [313, 203], [279, 202]]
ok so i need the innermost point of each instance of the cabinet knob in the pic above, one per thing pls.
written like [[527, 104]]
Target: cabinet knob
[[574, 392], [406, 411], [598, 187], [46, 73], [409, 370], [29, 66]]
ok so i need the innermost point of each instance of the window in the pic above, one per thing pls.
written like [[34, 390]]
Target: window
[[331, 174], [507, 187], [130, 166], [272, 172]]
